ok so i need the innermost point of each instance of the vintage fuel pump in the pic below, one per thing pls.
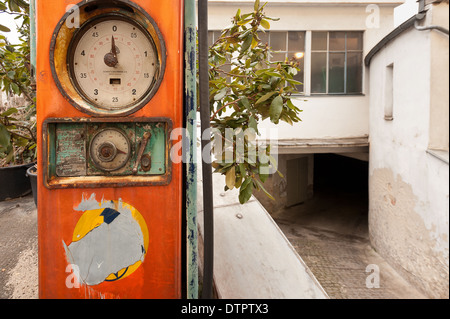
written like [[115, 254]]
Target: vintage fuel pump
[[109, 92]]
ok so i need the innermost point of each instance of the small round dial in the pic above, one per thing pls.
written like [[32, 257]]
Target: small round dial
[[110, 149], [113, 62]]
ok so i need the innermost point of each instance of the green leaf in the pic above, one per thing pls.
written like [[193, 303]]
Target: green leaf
[[5, 138], [15, 88], [274, 163], [252, 123], [263, 177], [246, 190], [221, 94], [10, 157], [4, 28], [242, 169], [230, 177], [252, 77], [265, 24], [254, 43], [215, 165], [291, 105], [273, 74], [238, 182], [247, 43], [275, 109], [285, 118], [264, 190], [246, 182], [242, 22], [21, 141], [14, 5], [245, 102], [244, 34], [9, 112], [293, 82], [256, 5], [265, 97]]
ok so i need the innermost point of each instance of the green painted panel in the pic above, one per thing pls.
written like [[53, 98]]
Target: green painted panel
[[156, 147], [69, 155], [70, 149]]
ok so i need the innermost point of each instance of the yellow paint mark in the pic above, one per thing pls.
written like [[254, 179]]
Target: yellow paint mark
[[88, 221]]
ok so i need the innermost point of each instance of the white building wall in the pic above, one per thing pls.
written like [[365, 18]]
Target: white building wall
[[439, 99], [408, 187], [323, 116]]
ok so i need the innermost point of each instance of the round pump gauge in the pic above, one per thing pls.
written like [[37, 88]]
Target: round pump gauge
[[110, 149], [113, 63]]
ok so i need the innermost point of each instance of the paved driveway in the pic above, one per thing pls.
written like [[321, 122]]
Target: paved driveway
[[18, 249], [338, 260]]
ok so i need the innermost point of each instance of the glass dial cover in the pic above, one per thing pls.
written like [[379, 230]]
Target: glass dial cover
[[113, 62]]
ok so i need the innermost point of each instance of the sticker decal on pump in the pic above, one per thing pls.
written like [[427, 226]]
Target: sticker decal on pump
[[109, 242]]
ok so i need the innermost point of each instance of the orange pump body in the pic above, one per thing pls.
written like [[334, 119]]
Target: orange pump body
[[158, 207]]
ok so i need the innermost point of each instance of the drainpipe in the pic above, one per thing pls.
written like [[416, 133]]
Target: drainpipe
[[421, 6], [208, 208], [421, 15], [430, 27]]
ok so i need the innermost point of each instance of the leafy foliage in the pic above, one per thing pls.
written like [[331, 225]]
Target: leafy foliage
[[17, 125], [245, 88]]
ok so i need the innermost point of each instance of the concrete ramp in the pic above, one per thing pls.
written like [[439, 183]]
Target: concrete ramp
[[252, 257]]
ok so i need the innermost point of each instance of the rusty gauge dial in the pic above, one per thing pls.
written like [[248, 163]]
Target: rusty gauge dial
[[110, 149], [112, 62]]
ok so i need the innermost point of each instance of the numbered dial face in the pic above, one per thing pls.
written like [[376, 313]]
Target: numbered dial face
[[110, 149], [113, 62]]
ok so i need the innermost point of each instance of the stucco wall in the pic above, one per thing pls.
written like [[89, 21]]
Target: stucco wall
[[439, 99], [408, 187], [322, 116]]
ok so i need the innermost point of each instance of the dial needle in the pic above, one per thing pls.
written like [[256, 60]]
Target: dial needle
[[110, 58], [113, 47], [121, 152]]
